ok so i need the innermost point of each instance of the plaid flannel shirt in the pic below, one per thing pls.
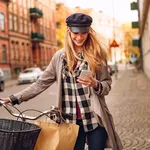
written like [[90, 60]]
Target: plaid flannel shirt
[[74, 92]]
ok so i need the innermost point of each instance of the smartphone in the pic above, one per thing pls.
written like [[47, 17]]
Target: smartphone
[[83, 72]]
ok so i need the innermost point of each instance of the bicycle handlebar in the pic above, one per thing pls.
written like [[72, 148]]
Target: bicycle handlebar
[[25, 117]]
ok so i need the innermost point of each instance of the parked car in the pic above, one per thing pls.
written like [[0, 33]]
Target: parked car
[[2, 81], [29, 75]]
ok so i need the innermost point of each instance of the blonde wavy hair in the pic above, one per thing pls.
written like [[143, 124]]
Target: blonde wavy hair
[[93, 51]]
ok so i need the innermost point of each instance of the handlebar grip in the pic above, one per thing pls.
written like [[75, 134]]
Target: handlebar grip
[[1, 102]]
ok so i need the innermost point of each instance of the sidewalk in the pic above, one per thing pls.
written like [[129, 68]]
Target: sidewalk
[[129, 103]]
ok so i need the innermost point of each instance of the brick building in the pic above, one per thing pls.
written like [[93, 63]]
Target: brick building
[[31, 34], [4, 39]]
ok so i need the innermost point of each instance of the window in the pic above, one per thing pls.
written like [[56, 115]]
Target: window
[[27, 52], [31, 3], [21, 11], [10, 22], [45, 32], [25, 3], [25, 6], [12, 50], [4, 53], [17, 51], [29, 26], [25, 26], [10, 7], [23, 51], [15, 24], [25, 13], [21, 25], [15, 9], [2, 22], [28, 4], [48, 33], [41, 28]]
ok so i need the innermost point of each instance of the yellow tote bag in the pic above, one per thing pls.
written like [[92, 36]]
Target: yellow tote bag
[[55, 136]]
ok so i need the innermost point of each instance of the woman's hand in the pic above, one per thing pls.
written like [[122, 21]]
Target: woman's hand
[[5, 100], [88, 81]]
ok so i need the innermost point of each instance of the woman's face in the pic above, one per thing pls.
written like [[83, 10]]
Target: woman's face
[[78, 38]]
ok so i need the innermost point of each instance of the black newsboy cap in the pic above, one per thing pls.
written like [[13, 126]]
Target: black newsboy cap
[[79, 22]]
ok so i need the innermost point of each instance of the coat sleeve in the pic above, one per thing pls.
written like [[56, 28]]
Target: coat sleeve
[[104, 81], [44, 81]]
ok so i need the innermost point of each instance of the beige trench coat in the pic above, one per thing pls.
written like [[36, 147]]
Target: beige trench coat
[[53, 74]]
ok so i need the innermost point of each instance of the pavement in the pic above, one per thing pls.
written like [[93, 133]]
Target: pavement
[[129, 103]]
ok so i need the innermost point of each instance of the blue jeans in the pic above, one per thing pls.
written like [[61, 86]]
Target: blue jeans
[[96, 138]]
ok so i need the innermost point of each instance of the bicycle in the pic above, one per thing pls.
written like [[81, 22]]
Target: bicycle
[[22, 135]]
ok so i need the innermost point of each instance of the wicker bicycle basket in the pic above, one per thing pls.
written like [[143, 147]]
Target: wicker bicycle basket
[[18, 135]]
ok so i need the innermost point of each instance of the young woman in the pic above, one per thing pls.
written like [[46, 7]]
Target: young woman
[[81, 73]]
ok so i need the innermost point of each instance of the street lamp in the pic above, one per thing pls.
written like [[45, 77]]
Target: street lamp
[[114, 44]]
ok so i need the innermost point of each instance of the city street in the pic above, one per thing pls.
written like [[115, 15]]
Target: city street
[[128, 102]]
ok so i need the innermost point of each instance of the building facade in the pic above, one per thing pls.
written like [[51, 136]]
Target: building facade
[[4, 39], [31, 34], [144, 25]]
